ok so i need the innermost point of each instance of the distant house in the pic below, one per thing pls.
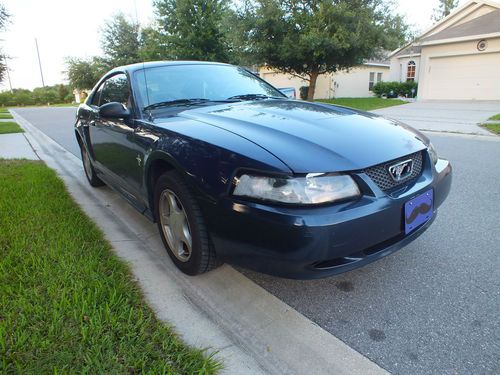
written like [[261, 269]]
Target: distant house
[[80, 95], [355, 82], [456, 59]]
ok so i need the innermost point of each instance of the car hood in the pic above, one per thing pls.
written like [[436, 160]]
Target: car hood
[[314, 137]]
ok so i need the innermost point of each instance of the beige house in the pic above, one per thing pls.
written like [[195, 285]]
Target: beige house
[[352, 83], [456, 59]]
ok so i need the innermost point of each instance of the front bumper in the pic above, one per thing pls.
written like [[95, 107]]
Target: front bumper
[[309, 243]]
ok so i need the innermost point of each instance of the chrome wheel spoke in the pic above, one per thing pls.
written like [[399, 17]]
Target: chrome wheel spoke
[[175, 225], [173, 202], [186, 235]]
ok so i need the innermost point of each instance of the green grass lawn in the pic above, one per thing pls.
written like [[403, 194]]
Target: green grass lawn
[[5, 115], [364, 104], [495, 117], [10, 127], [495, 128], [67, 303]]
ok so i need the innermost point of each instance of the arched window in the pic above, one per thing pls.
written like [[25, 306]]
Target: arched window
[[410, 71]]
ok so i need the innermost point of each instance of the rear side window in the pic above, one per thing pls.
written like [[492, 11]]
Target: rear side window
[[115, 89]]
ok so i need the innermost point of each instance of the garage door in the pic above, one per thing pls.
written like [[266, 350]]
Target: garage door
[[464, 77]]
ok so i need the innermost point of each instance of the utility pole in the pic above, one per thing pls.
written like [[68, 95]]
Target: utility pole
[[39, 62]]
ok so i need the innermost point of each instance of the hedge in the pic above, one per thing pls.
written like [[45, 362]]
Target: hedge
[[397, 88]]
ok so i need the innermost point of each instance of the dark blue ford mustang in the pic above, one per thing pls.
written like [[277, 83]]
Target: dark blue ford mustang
[[233, 171]]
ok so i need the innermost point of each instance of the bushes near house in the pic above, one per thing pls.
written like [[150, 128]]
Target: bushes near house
[[303, 92], [393, 89]]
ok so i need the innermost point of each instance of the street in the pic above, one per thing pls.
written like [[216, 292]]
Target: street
[[431, 308]]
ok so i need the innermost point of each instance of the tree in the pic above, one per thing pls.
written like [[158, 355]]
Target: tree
[[444, 8], [237, 26], [193, 28], [121, 41], [83, 74], [313, 37], [4, 19], [154, 45]]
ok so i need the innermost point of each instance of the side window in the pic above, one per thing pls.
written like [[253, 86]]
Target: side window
[[410, 71], [97, 96], [371, 81], [115, 90]]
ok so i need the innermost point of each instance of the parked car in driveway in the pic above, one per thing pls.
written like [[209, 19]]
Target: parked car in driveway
[[289, 92], [234, 171]]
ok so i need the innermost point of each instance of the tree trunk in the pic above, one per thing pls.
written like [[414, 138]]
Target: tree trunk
[[313, 77]]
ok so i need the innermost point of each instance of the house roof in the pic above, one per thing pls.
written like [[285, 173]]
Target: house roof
[[379, 62], [439, 31], [486, 24]]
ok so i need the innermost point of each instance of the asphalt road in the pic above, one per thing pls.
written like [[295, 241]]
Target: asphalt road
[[431, 308]]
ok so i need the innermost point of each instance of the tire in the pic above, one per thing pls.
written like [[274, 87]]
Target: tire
[[89, 169], [182, 226]]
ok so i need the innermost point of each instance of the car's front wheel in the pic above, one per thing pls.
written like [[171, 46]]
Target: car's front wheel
[[181, 225], [89, 168]]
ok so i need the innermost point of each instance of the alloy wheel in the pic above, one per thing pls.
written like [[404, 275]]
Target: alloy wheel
[[175, 225]]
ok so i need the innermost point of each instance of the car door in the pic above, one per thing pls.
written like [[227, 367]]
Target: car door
[[118, 150]]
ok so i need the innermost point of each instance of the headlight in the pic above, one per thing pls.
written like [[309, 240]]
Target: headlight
[[315, 188], [432, 153]]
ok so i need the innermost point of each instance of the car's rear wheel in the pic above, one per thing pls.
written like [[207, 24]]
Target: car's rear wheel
[[89, 168], [181, 225]]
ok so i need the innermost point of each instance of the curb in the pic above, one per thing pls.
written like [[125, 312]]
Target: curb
[[253, 331]]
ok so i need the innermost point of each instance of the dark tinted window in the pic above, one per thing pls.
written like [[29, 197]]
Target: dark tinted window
[[97, 96], [214, 82], [115, 90]]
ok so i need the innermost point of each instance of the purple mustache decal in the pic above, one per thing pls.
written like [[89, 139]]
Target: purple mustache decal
[[423, 208]]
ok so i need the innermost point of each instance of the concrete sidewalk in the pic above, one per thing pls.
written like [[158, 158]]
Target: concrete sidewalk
[[16, 146], [444, 116]]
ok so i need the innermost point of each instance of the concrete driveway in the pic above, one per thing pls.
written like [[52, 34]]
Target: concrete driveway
[[444, 116]]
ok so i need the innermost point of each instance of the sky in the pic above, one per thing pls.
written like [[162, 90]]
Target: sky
[[65, 28]]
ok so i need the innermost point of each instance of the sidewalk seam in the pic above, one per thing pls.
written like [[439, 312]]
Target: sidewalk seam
[[34, 151]]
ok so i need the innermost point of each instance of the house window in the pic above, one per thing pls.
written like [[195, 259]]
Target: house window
[[410, 71], [371, 81]]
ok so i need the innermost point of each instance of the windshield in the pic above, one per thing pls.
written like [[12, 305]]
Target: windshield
[[198, 81]]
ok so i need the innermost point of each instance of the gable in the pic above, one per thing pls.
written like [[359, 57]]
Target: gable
[[486, 24], [463, 15]]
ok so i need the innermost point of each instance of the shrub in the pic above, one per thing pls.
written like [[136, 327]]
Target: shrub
[[399, 88], [40, 95], [303, 92]]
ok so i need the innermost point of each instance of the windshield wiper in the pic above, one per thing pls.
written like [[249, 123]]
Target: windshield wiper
[[253, 97], [190, 101]]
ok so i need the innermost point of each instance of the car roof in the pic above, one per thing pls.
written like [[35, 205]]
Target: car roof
[[154, 64]]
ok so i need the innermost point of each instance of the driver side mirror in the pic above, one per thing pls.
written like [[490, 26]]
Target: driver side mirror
[[114, 110]]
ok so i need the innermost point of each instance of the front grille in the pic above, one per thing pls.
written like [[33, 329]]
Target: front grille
[[380, 173]]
